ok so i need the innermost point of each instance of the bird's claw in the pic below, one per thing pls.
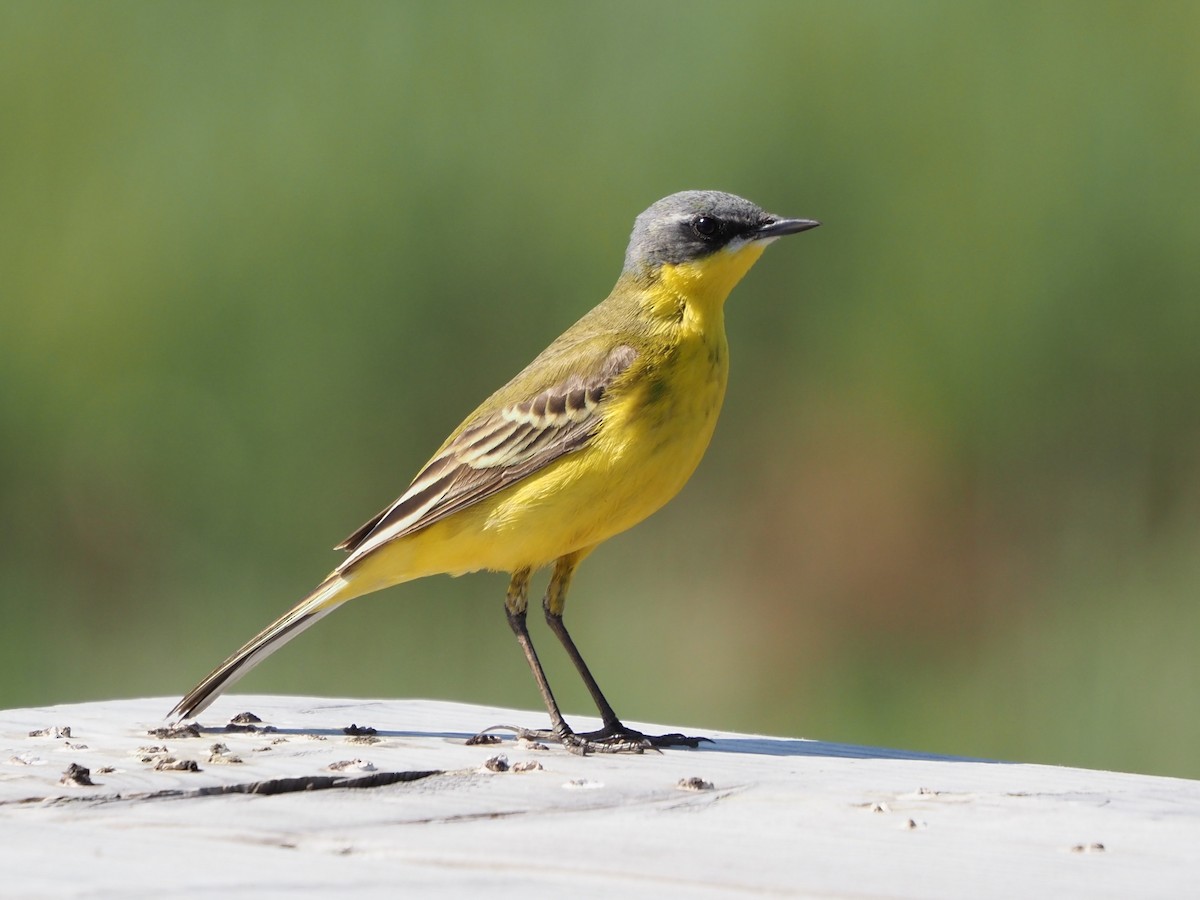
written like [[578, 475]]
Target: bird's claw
[[611, 739]]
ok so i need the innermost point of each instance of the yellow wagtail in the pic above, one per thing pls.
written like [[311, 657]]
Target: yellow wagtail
[[598, 432]]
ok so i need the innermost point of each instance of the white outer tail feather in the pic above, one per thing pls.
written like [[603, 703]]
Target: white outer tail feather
[[320, 603]]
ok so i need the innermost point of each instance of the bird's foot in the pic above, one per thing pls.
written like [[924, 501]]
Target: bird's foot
[[623, 739], [615, 738]]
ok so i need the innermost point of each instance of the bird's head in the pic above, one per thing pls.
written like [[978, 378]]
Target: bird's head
[[703, 242]]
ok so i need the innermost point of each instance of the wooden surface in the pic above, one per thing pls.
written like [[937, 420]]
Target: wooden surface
[[783, 816]]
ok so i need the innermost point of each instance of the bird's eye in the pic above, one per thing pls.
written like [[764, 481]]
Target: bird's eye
[[706, 226]]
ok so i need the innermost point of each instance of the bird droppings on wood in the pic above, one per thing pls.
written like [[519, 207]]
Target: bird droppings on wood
[[171, 764], [247, 723], [343, 765], [482, 740], [497, 763], [220, 755], [77, 776], [235, 728], [54, 731], [167, 732]]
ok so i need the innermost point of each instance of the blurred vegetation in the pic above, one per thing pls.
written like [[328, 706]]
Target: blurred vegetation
[[257, 259]]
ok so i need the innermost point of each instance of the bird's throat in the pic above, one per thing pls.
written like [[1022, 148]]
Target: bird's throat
[[701, 286]]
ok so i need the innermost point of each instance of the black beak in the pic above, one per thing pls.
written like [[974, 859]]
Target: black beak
[[779, 227]]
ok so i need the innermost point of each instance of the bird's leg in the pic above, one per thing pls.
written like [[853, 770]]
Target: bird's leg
[[516, 603], [613, 736], [554, 603]]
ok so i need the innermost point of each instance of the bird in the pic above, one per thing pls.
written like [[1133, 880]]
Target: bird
[[598, 432]]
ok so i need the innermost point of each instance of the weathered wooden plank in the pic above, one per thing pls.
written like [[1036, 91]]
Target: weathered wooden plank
[[782, 816]]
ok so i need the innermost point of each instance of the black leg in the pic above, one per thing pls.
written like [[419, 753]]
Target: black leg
[[613, 735], [554, 603], [516, 602]]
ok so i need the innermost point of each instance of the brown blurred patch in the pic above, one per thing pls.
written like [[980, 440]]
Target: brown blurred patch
[[870, 526]]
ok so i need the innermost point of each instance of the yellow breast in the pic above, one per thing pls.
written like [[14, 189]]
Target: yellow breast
[[654, 432]]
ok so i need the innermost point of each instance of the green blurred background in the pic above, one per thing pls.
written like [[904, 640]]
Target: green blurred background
[[258, 258]]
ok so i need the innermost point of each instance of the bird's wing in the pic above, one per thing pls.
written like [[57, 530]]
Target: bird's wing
[[495, 450]]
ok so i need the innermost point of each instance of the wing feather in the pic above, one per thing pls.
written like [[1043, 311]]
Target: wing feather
[[496, 450]]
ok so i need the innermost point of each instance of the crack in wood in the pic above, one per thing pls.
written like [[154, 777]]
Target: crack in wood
[[269, 787]]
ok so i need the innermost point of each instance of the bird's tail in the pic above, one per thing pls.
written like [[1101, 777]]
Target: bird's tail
[[329, 594]]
